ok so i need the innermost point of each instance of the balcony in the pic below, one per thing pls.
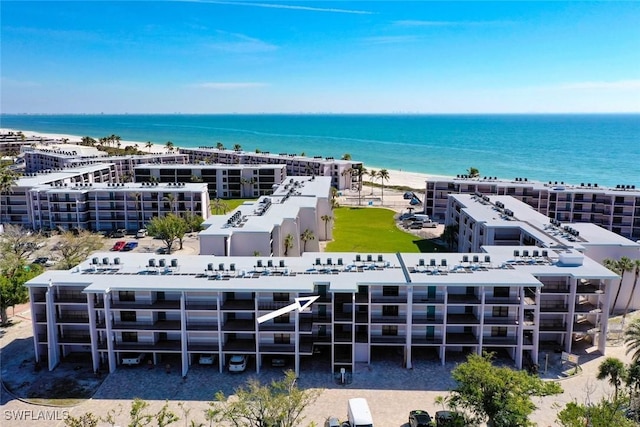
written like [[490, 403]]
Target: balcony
[[502, 301], [556, 326], [462, 299], [553, 306], [499, 341], [340, 336], [239, 325], [586, 307], [75, 339], [155, 305], [427, 320], [388, 339], [201, 306], [73, 318], [489, 320], [239, 346], [555, 289], [71, 297], [389, 320], [461, 338], [277, 327], [385, 299], [423, 299], [201, 347], [202, 326], [238, 305], [462, 319], [160, 325], [277, 348], [166, 345], [424, 340]]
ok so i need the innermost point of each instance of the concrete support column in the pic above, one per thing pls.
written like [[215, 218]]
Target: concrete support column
[[409, 324], [536, 326], [107, 320], [183, 335], [256, 332], [573, 301], [604, 317], [520, 330], [34, 325], [93, 333], [296, 337], [52, 333], [482, 307], [443, 347], [220, 335]]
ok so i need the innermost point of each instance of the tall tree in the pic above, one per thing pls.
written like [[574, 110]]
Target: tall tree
[[620, 267], [383, 174], [20, 242], [306, 236], [605, 413], [473, 172], [168, 228], [636, 264], [614, 370], [632, 339], [498, 395], [74, 247], [346, 156], [288, 243], [373, 174], [219, 205], [219, 146], [326, 219], [14, 273], [280, 403], [237, 147], [7, 182], [136, 196], [169, 146], [148, 146]]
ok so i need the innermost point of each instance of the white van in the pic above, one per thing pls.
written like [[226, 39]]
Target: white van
[[421, 217], [358, 413]]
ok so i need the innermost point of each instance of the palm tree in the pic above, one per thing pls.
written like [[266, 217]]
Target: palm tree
[[326, 219], [373, 174], [334, 196], [359, 172], [621, 266], [632, 339], [473, 172], [636, 264], [218, 205], [7, 182], [219, 146], [247, 181], [237, 147], [384, 176], [136, 196], [613, 369], [346, 156], [148, 145], [116, 140], [171, 199], [169, 145], [306, 236], [450, 236], [632, 379], [288, 243], [347, 174]]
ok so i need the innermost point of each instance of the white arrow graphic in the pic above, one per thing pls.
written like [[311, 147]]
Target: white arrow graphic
[[295, 306]]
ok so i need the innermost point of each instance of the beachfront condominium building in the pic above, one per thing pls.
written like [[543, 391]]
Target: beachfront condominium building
[[341, 172], [616, 209], [112, 206], [11, 143], [16, 204], [481, 220], [224, 181], [291, 220], [60, 156], [173, 309]]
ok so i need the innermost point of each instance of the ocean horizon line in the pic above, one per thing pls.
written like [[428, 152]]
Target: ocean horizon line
[[398, 114]]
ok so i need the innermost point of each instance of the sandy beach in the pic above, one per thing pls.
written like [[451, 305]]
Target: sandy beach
[[396, 177]]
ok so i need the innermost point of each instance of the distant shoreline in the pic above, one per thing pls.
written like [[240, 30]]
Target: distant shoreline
[[414, 180]]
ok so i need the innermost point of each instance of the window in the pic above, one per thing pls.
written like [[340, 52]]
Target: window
[[128, 316], [389, 330], [390, 310], [498, 331], [126, 296], [390, 291], [284, 318], [281, 296], [501, 292], [500, 311], [281, 339], [129, 337]]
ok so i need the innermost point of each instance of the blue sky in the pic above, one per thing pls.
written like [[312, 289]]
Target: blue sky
[[319, 57]]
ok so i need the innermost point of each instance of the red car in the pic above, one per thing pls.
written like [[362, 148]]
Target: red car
[[118, 246]]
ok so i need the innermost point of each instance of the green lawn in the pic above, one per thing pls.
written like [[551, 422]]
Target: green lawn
[[373, 230], [231, 204]]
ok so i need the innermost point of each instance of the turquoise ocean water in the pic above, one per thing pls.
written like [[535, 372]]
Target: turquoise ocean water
[[603, 149]]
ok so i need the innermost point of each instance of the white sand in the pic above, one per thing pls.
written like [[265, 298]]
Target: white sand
[[396, 177]]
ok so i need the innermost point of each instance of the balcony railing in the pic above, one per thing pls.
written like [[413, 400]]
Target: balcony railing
[[160, 325], [388, 339], [74, 339], [202, 326], [155, 305], [499, 341], [423, 340], [237, 305], [461, 338], [462, 319], [462, 299], [390, 320], [427, 320], [239, 325], [73, 318]]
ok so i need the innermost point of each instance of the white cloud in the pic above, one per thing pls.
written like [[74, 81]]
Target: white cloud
[[239, 43], [290, 7], [228, 85]]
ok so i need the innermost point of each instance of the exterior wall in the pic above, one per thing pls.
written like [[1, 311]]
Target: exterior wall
[[617, 210]]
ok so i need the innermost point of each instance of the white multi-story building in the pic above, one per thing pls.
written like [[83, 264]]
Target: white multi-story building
[[298, 205], [425, 306], [60, 156], [482, 220], [223, 181], [111, 206], [340, 171], [616, 209], [16, 204]]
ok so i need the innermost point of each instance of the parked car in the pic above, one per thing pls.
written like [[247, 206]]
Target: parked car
[[129, 246], [238, 363], [119, 233], [118, 245], [207, 359], [448, 418], [44, 261], [419, 418], [278, 362], [141, 233], [416, 225], [332, 422], [133, 359], [408, 195]]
